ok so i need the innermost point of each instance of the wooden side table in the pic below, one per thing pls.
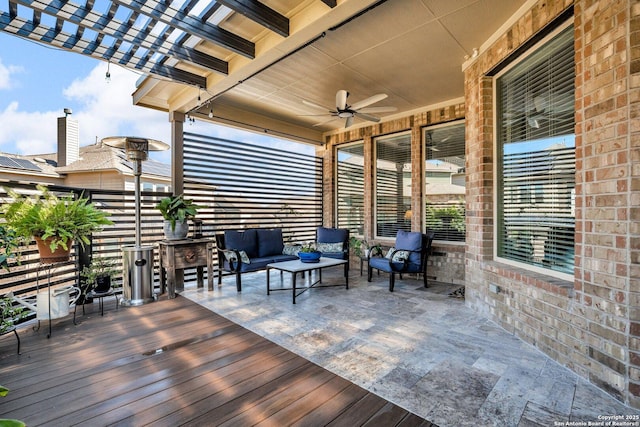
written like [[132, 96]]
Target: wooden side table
[[181, 254]]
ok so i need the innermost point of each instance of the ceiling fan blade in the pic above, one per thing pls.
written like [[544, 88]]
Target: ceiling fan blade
[[371, 100], [377, 110], [317, 106], [341, 99], [348, 122], [333, 119], [367, 117]]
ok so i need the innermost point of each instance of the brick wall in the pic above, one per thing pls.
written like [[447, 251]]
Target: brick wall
[[592, 324]]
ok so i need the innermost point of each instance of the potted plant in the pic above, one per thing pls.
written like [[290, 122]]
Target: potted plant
[[10, 314], [357, 245], [309, 253], [97, 275], [55, 222], [4, 422], [176, 210], [8, 244]]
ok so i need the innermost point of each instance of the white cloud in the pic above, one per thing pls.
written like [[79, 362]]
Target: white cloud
[[30, 133], [5, 75], [108, 110]]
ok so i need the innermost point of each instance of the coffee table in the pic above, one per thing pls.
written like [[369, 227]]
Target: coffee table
[[296, 266]]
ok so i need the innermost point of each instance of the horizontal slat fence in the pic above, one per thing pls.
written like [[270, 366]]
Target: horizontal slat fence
[[237, 185], [27, 275], [246, 185]]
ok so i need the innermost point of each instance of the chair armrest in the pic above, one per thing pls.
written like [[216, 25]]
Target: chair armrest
[[405, 261], [377, 251], [232, 256]]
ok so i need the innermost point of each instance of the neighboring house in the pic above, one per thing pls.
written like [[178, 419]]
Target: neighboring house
[[95, 166]]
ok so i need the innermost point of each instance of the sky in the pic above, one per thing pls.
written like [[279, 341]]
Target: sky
[[38, 82]]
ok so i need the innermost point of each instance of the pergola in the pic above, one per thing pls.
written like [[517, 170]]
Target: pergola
[[251, 63]]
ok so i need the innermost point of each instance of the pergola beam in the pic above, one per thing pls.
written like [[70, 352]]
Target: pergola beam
[[121, 31], [52, 36], [261, 14], [195, 27]]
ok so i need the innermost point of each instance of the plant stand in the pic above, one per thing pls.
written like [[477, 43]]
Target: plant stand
[[17, 336], [60, 311]]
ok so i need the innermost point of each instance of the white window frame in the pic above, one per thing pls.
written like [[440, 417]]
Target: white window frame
[[525, 266]]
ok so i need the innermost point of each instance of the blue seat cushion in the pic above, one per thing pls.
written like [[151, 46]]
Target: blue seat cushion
[[410, 241], [269, 242], [336, 255], [383, 264], [261, 263], [242, 240]]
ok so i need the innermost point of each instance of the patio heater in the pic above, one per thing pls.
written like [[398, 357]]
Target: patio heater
[[137, 265]]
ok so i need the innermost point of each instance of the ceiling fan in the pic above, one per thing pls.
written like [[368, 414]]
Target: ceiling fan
[[359, 109]]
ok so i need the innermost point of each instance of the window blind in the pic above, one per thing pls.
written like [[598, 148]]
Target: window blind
[[393, 184], [350, 188], [536, 176], [445, 181]]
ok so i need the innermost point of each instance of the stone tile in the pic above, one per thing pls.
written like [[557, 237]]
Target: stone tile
[[417, 348], [536, 415], [456, 385]]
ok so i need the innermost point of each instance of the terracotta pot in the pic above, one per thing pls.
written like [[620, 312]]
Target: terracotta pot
[[50, 257]]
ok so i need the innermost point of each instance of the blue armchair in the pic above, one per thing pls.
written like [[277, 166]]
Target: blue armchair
[[333, 242], [409, 255]]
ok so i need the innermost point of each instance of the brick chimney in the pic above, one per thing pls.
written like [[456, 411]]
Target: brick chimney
[[68, 139]]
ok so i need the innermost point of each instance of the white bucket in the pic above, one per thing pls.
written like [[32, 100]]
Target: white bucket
[[60, 302]]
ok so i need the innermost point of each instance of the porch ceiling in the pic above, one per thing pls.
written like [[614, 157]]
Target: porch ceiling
[[251, 63]]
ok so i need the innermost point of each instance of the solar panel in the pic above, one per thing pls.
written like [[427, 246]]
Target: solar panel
[[156, 168], [26, 164], [9, 162]]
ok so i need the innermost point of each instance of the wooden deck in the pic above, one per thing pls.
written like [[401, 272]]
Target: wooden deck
[[174, 363]]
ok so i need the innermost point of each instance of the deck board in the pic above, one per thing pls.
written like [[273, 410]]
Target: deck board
[[170, 363]]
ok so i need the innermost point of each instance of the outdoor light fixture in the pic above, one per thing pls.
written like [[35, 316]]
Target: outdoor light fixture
[[137, 278], [211, 113], [107, 75]]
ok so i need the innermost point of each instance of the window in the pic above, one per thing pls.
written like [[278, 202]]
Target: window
[[445, 181], [393, 184], [536, 158], [350, 188]]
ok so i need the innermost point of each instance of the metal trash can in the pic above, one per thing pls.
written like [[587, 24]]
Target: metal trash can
[[137, 275]]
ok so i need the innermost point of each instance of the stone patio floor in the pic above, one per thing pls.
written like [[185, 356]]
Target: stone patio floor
[[416, 347]]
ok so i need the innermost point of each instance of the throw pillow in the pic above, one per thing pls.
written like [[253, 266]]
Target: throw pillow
[[397, 255], [291, 249], [329, 248], [230, 256]]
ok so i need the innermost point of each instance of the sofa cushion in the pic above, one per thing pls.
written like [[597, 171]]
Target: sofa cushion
[[269, 242], [242, 240], [281, 258]]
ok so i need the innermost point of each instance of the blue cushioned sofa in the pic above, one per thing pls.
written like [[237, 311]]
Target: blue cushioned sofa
[[244, 251], [259, 246]]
